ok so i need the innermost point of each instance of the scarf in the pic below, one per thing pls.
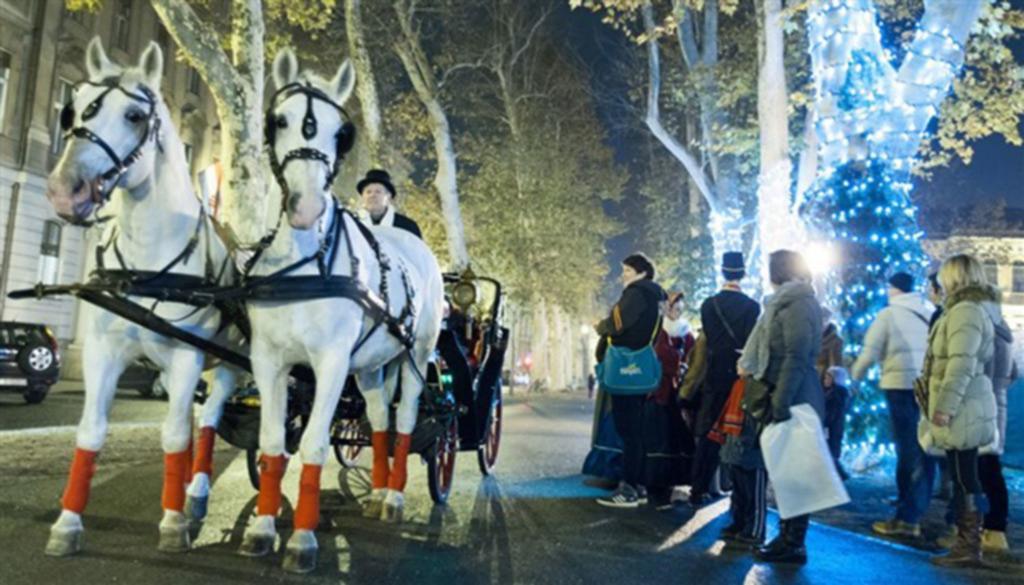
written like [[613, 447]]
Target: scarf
[[756, 353], [388, 219]]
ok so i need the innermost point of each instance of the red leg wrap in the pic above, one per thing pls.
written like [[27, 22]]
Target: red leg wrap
[[307, 513], [204, 452], [379, 473], [398, 471], [175, 477], [76, 494], [271, 471]]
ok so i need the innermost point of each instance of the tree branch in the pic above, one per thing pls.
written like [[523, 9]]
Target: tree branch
[[653, 119], [200, 44]]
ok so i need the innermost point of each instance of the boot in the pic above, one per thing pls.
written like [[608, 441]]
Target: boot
[[966, 551], [787, 547]]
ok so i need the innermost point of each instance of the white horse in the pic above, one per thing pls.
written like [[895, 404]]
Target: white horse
[[121, 140], [306, 134]]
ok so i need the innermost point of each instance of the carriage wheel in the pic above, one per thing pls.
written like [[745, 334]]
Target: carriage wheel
[[252, 463], [441, 462], [487, 452], [351, 432]]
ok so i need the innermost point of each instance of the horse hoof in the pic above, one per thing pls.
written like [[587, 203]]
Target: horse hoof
[[64, 543], [196, 507], [174, 539], [394, 504], [257, 545], [299, 560]]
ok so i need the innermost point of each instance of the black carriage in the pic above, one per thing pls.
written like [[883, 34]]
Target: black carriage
[[460, 408]]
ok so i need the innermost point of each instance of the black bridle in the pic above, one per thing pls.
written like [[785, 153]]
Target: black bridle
[[120, 166], [343, 140]]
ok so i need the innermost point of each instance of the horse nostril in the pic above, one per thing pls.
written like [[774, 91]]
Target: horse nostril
[[79, 185], [293, 202]]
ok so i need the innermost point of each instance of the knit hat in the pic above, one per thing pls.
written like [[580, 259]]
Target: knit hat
[[732, 266], [902, 282], [376, 176], [641, 264]]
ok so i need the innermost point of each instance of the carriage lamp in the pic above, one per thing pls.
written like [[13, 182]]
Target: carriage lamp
[[464, 294]]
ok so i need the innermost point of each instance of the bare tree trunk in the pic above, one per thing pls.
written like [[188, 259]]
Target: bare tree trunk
[[420, 73], [777, 228], [366, 87], [237, 87]]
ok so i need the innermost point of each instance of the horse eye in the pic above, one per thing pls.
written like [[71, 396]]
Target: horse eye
[[134, 116], [281, 121]]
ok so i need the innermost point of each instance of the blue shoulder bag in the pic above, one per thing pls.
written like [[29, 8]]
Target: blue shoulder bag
[[627, 371]]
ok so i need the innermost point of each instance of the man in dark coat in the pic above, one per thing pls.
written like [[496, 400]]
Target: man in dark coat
[[727, 319], [378, 198]]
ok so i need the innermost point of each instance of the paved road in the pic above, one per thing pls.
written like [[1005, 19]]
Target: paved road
[[535, 522]]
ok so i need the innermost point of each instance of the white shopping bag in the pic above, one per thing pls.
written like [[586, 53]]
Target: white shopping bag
[[799, 465]]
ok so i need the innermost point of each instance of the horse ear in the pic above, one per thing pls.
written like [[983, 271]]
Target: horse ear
[[343, 82], [96, 61], [152, 64], [286, 67]]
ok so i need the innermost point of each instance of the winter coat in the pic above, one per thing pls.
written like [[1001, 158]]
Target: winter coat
[[795, 340], [831, 354], [670, 357], [960, 346], [392, 218], [724, 342], [898, 339], [634, 318], [743, 450], [1001, 371], [696, 370]]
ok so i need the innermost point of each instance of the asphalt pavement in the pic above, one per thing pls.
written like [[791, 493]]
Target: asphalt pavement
[[533, 522]]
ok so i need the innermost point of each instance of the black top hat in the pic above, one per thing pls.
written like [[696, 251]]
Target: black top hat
[[732, 265], [376, 176]]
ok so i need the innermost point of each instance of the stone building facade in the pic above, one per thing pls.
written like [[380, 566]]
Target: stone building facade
[[42, 56]]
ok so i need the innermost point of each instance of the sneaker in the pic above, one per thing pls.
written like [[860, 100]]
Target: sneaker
[[731, 532], [624, 497], [641, 494], [994, 541], [896, 528], [748, 540]]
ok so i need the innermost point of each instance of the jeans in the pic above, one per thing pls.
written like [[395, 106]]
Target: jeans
[[915, 473], [628, 414]]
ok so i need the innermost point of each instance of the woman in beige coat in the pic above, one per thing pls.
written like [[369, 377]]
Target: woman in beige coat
[[961, 407]]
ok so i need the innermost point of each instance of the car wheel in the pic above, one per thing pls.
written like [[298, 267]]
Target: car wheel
[[158, 390], [37, 359], [36, 394]]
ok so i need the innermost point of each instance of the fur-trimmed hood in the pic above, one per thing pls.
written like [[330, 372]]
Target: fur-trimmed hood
[[975, 293]]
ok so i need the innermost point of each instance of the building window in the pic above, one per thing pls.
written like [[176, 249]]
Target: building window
[[61, 97], [992, 272], [5, 84], [192, 80], [122, 24], [49, 253], [1018, 277]]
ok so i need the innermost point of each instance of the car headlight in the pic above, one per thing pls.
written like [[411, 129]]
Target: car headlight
[[464, 294]]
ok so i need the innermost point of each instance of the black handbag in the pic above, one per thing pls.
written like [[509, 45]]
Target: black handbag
[[757, 400]]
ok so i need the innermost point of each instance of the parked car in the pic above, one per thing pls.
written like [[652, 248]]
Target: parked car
[[144, 377], [29, 359]]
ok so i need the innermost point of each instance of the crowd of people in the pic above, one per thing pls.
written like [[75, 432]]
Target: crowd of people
[[690, 406]]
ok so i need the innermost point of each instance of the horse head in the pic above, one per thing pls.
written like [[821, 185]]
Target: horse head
[[113, 127], [308, 134]]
